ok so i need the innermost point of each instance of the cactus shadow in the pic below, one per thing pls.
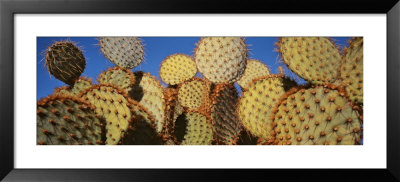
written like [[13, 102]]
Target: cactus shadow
[[136, 92], [180, 127]]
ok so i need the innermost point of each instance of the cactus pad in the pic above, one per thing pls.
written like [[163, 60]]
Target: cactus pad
[[177, 68], [256, 105], [313, 58], [148, 91], [81, 84], [221, 59], [194, 94], [254, 69], [120, 77], [126, 52], [66, 120], [65, 61], [198, 129], [317, 116], [352, 70], [226, 125]]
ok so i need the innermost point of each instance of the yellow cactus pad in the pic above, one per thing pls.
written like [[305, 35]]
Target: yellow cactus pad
[[81, 84], [256, 105], [254, 69], [313, 58], [198, 130], [112, 104], [177, 68], [149, 93], [120, 77], [221, 59], [352, 70], [226, 125], [194, 94], [317, 116]]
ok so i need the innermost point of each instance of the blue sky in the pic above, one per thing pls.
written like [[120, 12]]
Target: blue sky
[[156, 49]]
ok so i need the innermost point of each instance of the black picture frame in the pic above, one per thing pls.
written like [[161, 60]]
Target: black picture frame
[[9, 8]]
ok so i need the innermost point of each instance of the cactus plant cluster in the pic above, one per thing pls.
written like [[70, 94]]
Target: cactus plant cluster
[[135, 108]]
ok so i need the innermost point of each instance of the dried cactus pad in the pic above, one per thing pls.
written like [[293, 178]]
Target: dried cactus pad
[[226, 125], [317, 116], [81, 84], [198, 130], [65, 61], [126, 52], [150, 94], [177, 68], [194, 94], [66, 120], [120, 77], [313, 58], [256, 105], [254, 69], [221, 59], [352, 70], [111, 103]]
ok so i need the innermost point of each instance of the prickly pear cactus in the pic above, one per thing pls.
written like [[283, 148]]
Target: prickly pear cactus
[[256, 104], [65, 61], [194, 94], [66, 120], [221, 59], [226, 125], [313, 58], [177, 68], [317, 116], [120, 77], [352, 70], [198, 130], [126, 52], [171, 98], [254, 69], [81, 84], [111, 103], [149, 92]]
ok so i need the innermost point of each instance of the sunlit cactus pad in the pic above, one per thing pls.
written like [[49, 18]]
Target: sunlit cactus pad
[[194, 94], [317, 116], [81, 84], [221, 59], [126, 52], [66, 120], [254, 69], [177, 68], [120, 77], [315, 59], [198, 129]]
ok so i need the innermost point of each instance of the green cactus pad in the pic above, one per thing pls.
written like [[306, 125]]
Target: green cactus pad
[[313, 58], [120, 77], [66, 120], [65, 61], [197, 129], [256, 104], [226, 125], [254, 69], [352, 70], [81, 84], [221, 59], [149, 92], [317, 116], [125, 52], [177, 68]]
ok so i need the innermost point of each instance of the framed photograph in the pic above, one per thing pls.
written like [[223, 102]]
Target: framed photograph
[[132, 90]]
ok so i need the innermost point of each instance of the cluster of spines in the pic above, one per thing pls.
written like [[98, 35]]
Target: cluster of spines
[[177, 68], [320, 115], [66, 120], [226, 125], [65, 61], [221, 59], [126, 52]]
